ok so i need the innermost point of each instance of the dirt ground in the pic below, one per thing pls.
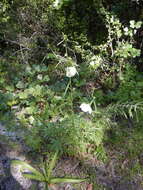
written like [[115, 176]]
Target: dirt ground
[[118, 172]]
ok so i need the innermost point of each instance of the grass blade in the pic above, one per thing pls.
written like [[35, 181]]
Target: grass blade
[[34, 177], [66, 180], [51, 166]]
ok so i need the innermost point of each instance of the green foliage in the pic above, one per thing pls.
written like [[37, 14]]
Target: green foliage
[[44, 175], [130, 87], [4, 6], [72, 135], [126, 109]]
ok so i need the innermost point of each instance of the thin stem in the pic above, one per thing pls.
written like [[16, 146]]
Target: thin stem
[[93, 100], [68, 85], [46, 188]]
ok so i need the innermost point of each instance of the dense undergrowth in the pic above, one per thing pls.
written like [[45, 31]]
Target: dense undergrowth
[[39, 40]]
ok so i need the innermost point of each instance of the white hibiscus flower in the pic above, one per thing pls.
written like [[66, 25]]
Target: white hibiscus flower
[[86, 108], [71, 72]]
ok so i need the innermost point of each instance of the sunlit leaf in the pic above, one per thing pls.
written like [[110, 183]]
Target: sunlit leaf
[[51, 165], [66, 180], [24, 165]]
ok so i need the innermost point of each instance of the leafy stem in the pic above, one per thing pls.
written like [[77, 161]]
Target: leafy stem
[[67, 87]]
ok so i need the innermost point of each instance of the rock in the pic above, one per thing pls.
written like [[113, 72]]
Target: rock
[[17, 175], [12, 147], [9, 183]]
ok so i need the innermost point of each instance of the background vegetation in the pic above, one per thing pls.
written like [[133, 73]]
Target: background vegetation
[[39, 40]]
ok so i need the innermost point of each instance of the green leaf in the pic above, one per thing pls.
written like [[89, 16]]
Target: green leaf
[[34, 177], [23, 95], [46, 78], [132, 23], [50, 56], [24, 165], [66, 180], [37, 68], [51, 165], [138, 24], [20, 85], [30, 110], [10, 88]]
